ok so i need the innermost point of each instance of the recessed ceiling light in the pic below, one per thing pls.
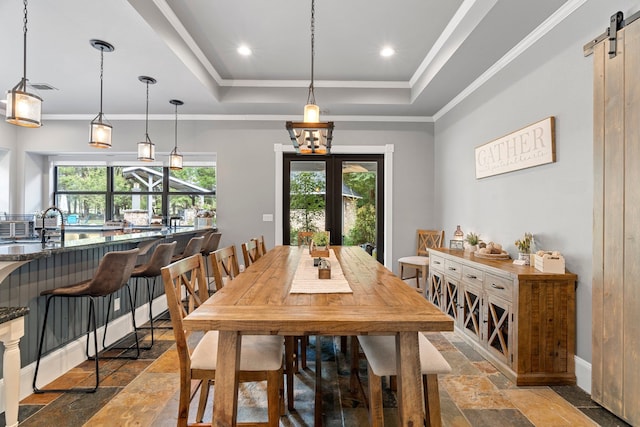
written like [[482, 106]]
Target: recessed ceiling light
[[387, 51], [244, 50]]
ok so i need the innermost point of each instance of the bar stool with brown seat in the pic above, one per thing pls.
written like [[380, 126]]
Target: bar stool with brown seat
[[210, 244], [112, 274], [149, 271], [260, 355], [194, 246]]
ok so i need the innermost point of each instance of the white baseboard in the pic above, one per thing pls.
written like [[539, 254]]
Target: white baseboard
[[583, 374], [57, 363]]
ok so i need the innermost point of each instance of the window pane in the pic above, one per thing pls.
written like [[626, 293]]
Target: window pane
[[137, 178], [189, 207], [359, 183], [82, 178], [86, 209], [138, 209], [307, 197], [193, 180]]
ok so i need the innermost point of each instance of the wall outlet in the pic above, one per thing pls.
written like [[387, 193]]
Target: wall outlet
[[116, 304]]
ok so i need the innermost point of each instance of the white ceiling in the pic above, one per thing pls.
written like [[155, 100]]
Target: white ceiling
[[442, 48]]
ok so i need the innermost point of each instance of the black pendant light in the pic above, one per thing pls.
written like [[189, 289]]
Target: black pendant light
[[146, 148], [100, 128]]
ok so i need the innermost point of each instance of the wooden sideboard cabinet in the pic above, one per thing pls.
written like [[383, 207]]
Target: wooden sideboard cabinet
[[520, 319]]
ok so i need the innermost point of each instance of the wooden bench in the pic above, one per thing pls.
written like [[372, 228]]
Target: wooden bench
[[380, 352]]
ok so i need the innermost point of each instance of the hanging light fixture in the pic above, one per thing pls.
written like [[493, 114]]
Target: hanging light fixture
[[146, 148], [175, 159], [100, 128], [311, 136], [24, 108]]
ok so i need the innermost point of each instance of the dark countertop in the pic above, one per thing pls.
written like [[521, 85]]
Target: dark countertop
[[26, 250], [10, 313]]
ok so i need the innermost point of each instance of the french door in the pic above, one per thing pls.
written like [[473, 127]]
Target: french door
[[340, 193]]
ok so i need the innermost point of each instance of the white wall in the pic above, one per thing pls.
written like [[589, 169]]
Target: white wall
[[552, 201], [245, 166]]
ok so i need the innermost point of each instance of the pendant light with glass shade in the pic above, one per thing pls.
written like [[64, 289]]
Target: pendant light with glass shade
[[100, 128], [175, 159], [311, 136], [24, 108], [146, 148]]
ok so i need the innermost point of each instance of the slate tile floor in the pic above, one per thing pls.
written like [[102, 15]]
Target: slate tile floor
[[144, 392]]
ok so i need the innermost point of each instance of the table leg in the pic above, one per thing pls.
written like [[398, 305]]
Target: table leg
[[317, 414], [289, 343], [409, 379], [225, 396]]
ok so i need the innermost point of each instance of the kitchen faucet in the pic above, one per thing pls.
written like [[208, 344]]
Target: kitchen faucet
[[44, 230]]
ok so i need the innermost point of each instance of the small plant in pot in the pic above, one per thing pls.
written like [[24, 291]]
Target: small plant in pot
[[320, 240], [524, 247], [471, 242]]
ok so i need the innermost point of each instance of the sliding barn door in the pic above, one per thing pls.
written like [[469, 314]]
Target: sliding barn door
[[616, 228]]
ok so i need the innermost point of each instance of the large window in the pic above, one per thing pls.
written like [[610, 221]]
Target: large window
[[141, 195]]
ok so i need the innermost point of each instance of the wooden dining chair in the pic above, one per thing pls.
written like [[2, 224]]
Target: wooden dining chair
[[380, 352], [251, 252], [260, 355], [261, 245], [419, 263], [225, 265], [304, 238]]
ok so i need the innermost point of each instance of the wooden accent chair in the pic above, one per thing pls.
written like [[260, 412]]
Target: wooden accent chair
[[261, 245], [420, 262], [251, 252], [225, 265], [260, 358], [304, 238], [380, 352]]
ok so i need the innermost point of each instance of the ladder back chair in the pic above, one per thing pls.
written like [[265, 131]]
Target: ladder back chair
[[260, 358], [225, 265], [251, 252], [304, 238], [419, 263]]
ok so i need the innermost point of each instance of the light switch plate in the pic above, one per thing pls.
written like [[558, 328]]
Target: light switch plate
[[267, 217]]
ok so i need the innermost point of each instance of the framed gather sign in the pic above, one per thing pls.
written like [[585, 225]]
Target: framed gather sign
[[530, 146]]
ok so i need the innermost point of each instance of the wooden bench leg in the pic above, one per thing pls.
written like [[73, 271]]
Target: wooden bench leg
[[431, 400], [376, 413]]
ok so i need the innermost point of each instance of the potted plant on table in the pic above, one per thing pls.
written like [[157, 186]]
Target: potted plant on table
[[319, 246], [524, 248], [472, 240]]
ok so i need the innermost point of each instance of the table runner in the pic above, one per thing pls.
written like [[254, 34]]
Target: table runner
[[305, 280]]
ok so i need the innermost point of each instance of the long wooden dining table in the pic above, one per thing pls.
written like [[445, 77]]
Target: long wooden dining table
[[259, 301]]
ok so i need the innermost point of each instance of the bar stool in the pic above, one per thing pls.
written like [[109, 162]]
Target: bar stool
[[161, 257], [211, 242], [194, 246], [112, 274]]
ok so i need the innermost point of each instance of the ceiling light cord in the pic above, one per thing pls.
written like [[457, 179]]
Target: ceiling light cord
[[175, 145], [24, 47], [146, 121], [311, 98], [101, 76]]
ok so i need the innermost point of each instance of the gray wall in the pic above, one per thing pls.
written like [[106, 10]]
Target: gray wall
[[552, 201], [246, 166]]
